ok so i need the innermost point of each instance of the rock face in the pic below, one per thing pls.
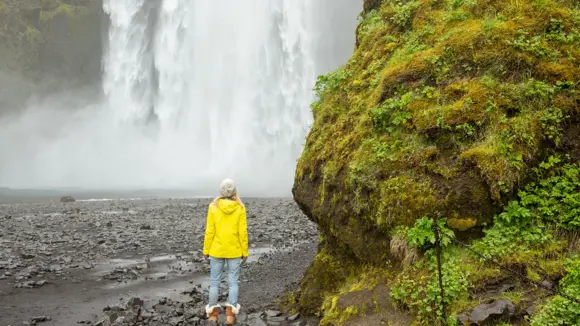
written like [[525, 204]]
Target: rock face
[[443, 110], [430, 116], [369, 5]]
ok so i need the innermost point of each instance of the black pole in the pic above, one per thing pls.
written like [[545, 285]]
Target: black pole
[[438, 253]]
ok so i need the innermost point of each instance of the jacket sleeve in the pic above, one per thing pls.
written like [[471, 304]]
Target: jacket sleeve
[[243, 233], [209, 232]]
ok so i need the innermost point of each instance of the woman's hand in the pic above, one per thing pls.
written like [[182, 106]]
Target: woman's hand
[[244, 260]]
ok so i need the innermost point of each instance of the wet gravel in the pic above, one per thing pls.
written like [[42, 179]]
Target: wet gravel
[[64, 263]]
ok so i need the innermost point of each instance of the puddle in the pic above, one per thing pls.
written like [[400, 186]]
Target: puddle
[[165, 275], [155, 289], [128, 272], [257, 253]]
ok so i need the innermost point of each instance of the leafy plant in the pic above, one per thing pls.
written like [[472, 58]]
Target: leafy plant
[[331, 81], [370, 21], [413, 43], [551, 123], [466, 128], [328, 83], [456, 4], [559, 310], [555, 197], [383, 150], [508, 150], [391, 113], [422, 233], [404, 12], [552, 200], [422, 293], [536, 45], [556, 31]]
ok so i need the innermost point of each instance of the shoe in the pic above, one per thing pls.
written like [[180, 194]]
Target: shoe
[[231, 314], [213, 312]]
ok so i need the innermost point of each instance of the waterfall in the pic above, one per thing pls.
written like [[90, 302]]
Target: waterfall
[[193, 91], [235, 78], [128, 75]]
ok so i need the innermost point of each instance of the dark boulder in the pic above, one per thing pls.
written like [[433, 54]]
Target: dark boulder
[[67, 199], [488, 313]]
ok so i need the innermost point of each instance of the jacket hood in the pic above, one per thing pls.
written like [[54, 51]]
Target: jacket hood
[[227, 206]]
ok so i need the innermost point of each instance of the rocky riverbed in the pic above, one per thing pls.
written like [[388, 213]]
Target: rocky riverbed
[[120, 261]]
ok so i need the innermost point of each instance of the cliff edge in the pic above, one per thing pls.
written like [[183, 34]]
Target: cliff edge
[[463, 110]]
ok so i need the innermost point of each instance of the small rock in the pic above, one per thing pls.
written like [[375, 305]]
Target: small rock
[[531, 310], [40, 319], [294, 317], [242, 318], [547, 285], [67, 199], [113, 317], [114, 308], [273, 313], [276, 319], [135, 302]]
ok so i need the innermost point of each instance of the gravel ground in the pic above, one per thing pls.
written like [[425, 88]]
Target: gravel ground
[[65, 263]]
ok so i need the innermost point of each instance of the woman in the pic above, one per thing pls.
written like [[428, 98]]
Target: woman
[[225, 244]]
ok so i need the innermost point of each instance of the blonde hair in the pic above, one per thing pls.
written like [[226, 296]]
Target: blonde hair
[[235, 198]]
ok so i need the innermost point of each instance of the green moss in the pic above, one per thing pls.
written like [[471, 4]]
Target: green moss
[[322, 278], [419, 81], [47, 15], [27, 28], [356, 296], [446, 107], [401, 200]]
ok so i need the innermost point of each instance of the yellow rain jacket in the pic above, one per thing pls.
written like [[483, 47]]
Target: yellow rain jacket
[[226, 233]]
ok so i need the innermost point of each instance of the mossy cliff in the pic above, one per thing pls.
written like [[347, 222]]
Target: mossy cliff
[[57, 38], [447, 108]]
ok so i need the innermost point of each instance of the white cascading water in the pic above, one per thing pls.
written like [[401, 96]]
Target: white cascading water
[[128, 77], [198, 90]]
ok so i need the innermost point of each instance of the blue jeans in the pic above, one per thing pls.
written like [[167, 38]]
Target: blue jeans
[[216, 269]]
